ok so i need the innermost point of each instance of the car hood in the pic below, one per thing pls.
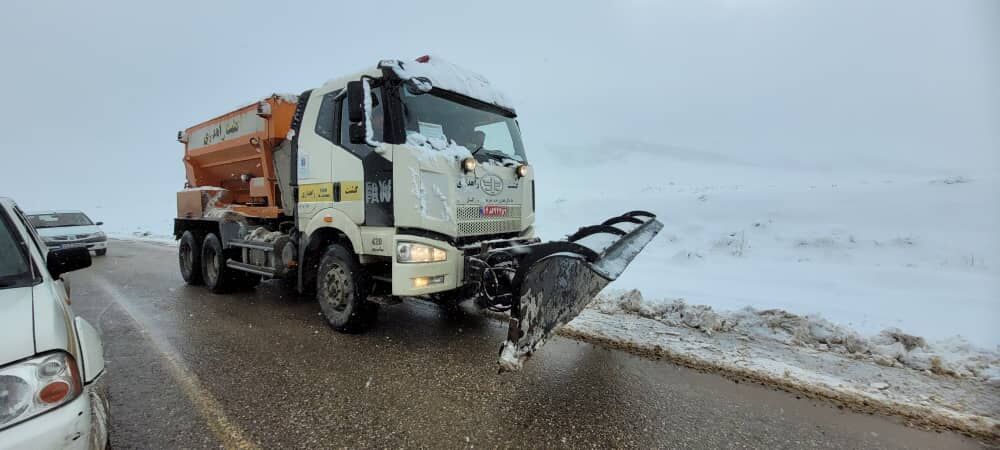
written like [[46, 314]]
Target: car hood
[[16, 324], [63, 231]]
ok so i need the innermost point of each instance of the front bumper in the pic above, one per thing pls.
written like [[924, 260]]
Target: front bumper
[[451, 269], [90, 244], [70, 426]]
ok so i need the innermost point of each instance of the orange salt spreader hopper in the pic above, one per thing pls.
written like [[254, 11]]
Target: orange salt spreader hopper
[[234, 153]]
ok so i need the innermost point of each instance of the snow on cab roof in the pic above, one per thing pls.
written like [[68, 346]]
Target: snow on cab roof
[[454, 78], [444, 75]]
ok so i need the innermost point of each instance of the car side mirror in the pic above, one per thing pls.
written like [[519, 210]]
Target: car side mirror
[[99, 223], [67, 260]]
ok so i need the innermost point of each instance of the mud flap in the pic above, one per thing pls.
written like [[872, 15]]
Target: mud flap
[[556, 287]]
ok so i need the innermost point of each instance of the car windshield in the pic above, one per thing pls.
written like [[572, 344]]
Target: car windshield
[[482, 130], [53, 220], [14, 267]]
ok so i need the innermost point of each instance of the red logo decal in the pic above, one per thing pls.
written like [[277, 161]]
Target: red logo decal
[[494, 211]]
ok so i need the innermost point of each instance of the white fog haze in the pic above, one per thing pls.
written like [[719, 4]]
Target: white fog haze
[[97, 91], [822, 179]]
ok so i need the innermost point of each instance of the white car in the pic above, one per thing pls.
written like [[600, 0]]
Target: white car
[[51, 363], [63, 229]]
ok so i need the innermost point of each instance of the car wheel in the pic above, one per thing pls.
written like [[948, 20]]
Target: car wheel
[[189, 258], [342, 292], [217, 277], [101, 252]]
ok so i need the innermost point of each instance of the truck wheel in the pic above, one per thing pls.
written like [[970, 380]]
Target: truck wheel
[[217, 277], [189, 257], [342, 292]]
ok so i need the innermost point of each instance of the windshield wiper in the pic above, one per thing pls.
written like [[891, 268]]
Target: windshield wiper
[[497, 155]]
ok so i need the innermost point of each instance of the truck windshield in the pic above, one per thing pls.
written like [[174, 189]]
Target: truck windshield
[[440, 115], [14, 268], [59, 220]]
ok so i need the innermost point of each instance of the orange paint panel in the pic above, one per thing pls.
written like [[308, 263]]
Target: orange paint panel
[[240, 142]]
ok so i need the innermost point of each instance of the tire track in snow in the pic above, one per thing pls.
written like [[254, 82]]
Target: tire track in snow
[[230, 435]]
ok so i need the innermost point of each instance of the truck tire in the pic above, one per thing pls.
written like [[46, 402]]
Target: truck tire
[[189, 258], [342, 292], [217, 277]]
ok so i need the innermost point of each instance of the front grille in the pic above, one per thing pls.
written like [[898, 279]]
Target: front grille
[[476, 212], [488, 227], [62, 241], [472, 222], [70, 237]]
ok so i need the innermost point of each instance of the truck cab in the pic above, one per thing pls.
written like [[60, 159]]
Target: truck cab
[[430, 169]]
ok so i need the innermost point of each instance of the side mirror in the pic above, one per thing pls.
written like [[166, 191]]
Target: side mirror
[[99, 223], [67, 260], [355, 101], [357, 132], [356, 111]]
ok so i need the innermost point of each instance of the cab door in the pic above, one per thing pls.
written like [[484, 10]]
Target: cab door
[[320, 158]]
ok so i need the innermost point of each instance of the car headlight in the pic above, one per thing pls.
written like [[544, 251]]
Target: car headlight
[[31, 387], [99, 234], [411, 252]]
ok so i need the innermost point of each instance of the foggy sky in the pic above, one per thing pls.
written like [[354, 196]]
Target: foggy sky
[[96, 91]]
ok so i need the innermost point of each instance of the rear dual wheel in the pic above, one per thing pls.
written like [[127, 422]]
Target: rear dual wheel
[[217, 277], [189, 258]]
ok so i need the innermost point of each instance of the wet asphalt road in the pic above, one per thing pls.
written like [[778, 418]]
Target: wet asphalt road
[[260, 369]]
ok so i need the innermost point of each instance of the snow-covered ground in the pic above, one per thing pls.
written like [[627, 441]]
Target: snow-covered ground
[[944, 384], [873, 282], [864, 247]]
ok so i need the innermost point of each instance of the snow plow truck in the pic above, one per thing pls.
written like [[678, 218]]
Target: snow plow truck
[[408, 179]]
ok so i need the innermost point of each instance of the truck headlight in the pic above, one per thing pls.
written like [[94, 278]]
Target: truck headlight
[[37, 385], [522, 170], [469, 164], [411, 252]]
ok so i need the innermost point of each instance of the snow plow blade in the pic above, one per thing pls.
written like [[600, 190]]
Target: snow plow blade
[[555, 281]]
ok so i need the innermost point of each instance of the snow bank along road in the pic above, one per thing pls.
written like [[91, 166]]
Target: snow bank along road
[[260, 369]]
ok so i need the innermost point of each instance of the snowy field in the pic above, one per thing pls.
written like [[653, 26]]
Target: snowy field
[[906, 247], [873, 283]]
